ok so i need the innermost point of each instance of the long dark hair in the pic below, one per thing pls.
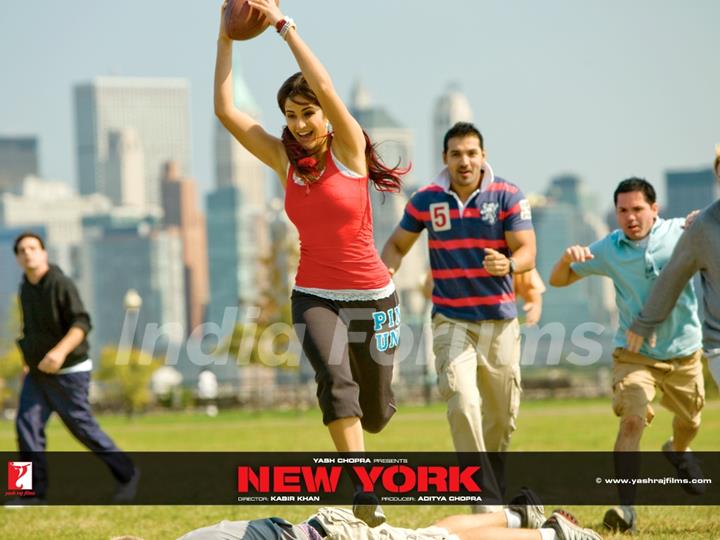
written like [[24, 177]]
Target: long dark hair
[[383, 177]]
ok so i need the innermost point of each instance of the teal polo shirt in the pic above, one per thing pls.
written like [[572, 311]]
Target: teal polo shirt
[[634, 268]]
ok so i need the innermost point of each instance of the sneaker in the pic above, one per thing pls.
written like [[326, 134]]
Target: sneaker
[[621, 519], [566, 527], [24, 502], [125, 493], [366, 507], [687, 468], [527, 505]]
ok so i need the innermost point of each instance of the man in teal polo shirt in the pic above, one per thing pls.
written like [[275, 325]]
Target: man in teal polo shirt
[[633, 257]]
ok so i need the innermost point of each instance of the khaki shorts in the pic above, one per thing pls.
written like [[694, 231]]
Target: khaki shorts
[[637, 377], [341, 524]]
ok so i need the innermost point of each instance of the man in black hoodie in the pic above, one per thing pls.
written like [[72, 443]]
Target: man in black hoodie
[[55, 349]]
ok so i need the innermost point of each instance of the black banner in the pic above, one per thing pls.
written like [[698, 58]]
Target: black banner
[[225, 478]]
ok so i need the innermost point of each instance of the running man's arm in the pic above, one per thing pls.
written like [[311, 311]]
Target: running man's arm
[[349, 140], [523, 249], [55, 357], [404, 235], [518, 234], [522, 252], [667, 289], [563, 274], [243, 127], [397, 247]]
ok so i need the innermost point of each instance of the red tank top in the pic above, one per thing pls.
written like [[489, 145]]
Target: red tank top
[[334, 219]]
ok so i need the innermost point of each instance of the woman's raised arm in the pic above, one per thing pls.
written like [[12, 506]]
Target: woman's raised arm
[[244, 127]]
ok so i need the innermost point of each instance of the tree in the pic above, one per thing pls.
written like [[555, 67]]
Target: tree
[[11, 360], [11, 368], [263, 343], [128, 383]]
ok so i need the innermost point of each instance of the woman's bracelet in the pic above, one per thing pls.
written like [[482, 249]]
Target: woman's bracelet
[[284, 25]]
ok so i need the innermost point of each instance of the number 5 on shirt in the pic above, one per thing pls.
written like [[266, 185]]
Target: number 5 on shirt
[[440, 216]]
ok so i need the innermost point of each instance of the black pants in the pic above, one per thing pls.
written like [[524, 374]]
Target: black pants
[[351, 346], [66, 395]]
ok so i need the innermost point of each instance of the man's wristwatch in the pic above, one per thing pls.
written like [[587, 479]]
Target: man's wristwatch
[[512, 265]]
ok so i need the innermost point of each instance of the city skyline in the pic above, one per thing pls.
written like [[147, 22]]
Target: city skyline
[[130, 123], [595, 90], [123, 123]]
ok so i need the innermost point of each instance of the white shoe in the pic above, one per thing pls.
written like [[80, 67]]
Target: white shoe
[[565, 526], [528, 506]]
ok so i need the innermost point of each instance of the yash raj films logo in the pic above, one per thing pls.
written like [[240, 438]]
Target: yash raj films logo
[[419, 481], [20, 478]]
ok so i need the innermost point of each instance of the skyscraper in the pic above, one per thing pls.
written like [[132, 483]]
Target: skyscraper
[[156, 109], [450, 108], [235, 254], [180, 206], [126, 250], [689, 190], [18, 159], [125, 168]]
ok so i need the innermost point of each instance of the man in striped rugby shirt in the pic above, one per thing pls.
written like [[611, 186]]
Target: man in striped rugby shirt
[[479, 234]]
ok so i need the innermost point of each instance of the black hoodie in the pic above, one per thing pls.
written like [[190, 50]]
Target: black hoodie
[[50, 308]]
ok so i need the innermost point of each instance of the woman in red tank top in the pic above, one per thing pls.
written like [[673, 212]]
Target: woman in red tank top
[[342, 287]]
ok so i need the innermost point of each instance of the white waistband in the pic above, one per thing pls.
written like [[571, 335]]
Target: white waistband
[[349, 295]]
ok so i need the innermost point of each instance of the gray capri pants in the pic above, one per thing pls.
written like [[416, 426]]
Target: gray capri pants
[[351, 346]]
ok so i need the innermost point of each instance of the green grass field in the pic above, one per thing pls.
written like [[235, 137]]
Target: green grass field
[[543, 425]]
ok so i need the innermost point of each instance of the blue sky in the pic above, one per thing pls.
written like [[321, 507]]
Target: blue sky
[[602, 89]]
